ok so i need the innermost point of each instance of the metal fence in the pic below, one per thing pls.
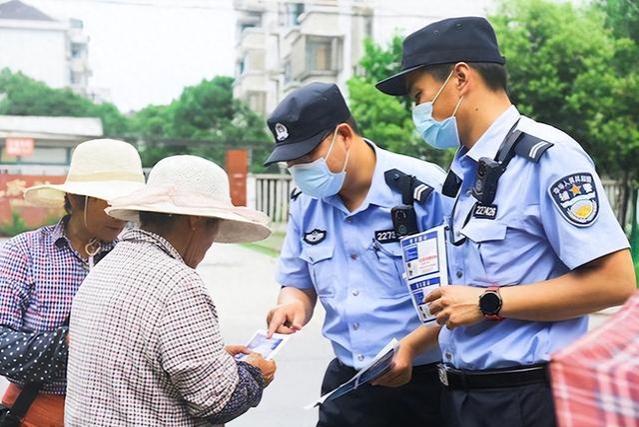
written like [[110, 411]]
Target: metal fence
[[271, 195]]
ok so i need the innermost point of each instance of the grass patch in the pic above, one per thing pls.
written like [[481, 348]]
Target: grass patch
[[270, 246]]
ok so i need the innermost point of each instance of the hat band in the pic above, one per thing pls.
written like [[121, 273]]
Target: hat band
[[105, 176], [183, 199]]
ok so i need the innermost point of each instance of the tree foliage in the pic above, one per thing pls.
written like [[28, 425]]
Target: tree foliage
[[387, 120], [26, 96]]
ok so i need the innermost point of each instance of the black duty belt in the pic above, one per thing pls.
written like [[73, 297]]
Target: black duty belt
[[457, 379]]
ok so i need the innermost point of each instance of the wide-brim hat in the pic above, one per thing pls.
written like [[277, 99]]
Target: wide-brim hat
[[100, 168], [191, 185]]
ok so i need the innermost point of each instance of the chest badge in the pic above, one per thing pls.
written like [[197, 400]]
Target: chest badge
[[314, 237], [576, 198]]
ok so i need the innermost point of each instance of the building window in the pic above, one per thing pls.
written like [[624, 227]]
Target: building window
[[294, 12], [288, 72], [322, 54], [76, 50]]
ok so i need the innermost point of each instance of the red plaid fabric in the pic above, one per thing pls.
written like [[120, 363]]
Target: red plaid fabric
[[596, 380]]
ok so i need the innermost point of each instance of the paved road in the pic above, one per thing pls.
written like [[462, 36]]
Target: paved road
[[242, 285]]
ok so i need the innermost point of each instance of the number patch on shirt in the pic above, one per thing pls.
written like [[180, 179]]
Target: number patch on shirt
[[386, 236], [485, 211], [576, 198]]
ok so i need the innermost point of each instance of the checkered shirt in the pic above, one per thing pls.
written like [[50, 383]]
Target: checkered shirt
[[145, 345], [596, 380], [40, 273]]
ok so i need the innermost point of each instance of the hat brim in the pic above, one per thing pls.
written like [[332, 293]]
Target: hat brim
[[288, 152], [234, 228], [52, 195], [396, 85]]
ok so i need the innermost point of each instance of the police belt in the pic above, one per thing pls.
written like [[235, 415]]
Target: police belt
[[458, 379]]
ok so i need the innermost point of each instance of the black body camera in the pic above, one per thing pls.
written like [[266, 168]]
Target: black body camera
[[488, 173]]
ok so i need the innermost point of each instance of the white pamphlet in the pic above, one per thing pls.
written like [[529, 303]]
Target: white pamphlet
[[380, 365], [267, 347], [425, 266]]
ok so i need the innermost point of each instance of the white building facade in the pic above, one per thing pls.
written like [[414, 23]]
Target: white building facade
[[52, 51], [284, 44]]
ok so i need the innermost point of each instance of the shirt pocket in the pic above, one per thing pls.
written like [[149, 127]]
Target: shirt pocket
[[387, 269], [487, 250], [321, 267]]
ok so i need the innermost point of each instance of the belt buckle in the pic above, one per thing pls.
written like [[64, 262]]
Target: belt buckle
[[443, 374]]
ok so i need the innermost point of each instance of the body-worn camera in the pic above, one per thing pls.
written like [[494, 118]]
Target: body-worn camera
[[488, 173], [404, 220]]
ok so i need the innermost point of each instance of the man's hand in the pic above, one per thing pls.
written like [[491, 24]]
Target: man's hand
[[402, 368], [286, 318], [455, 305], [234, 350], [267, 367]]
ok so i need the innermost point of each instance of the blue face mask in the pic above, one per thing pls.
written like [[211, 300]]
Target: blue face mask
[[316, 179], [440, 135]]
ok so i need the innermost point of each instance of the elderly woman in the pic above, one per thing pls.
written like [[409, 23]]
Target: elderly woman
[[146, 346], [41, 270]]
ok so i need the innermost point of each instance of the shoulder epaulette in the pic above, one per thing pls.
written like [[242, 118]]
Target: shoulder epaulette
[[410, 187], [532, 147], [295, 193]]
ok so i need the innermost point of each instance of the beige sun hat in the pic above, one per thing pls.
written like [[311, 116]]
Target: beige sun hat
[[191, 185], [100, 168]]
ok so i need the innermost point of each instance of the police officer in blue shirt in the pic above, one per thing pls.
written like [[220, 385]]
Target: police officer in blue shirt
[[533, 246], [342, 248]]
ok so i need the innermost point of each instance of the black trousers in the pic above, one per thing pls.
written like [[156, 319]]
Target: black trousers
[[520, 406], [416, 404]]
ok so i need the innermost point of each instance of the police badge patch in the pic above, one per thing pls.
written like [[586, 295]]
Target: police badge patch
[[314, 237], [576, 198]]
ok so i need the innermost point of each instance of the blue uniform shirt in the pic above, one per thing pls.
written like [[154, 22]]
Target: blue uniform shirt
[[552, 217], [358, 279]]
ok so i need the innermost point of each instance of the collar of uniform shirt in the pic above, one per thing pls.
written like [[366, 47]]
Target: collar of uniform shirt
[[490, 141], [379, 193]]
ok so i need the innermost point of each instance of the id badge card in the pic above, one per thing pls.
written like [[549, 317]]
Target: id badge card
[[425, 266]]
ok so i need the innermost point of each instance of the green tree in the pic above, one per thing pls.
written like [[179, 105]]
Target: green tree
[[26, 96], [385, 119], [569, 70], [205, 120]]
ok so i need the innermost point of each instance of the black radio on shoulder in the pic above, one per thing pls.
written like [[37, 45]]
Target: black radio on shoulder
[[404, 220], [488, 173]]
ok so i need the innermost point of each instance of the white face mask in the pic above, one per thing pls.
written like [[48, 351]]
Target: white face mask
[[316, 179]]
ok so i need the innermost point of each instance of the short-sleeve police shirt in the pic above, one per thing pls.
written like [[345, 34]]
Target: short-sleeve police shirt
[[552, 217], [354, 264]]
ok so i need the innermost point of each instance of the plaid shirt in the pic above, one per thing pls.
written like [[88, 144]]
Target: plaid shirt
[[40, 273], [596, 380], [146, 348]]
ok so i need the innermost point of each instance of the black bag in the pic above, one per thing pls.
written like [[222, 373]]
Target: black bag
[[12, 417]]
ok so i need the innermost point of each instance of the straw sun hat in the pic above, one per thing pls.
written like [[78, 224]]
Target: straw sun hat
[[191, 185], [100, 168]]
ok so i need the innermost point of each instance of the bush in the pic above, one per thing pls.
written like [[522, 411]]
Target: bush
[[14, 227]]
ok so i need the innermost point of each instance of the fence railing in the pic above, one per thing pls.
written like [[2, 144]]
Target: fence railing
[[271, 194]]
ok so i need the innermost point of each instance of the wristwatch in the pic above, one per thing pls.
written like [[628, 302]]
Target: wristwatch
[[490, 303]]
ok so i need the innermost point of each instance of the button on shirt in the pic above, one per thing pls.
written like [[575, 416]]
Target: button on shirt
[[357, 278], [530, 240]]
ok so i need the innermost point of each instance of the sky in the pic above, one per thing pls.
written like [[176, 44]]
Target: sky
[[146, 54], [146, 51]]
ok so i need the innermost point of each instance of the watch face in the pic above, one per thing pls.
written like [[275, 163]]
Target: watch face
[[490, 303]]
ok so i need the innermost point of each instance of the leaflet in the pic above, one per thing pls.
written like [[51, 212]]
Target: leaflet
[[380, 365], [267, 347], [425, 266]]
